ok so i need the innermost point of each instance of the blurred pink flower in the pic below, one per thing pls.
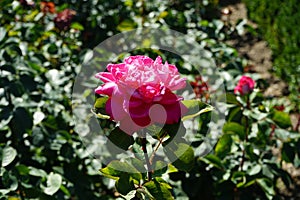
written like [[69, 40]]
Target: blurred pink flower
[[64, 18], [244, 86], [140, 92]]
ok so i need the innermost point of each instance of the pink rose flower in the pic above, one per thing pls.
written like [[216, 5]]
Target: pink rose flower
[[140, 92], [245, 86]]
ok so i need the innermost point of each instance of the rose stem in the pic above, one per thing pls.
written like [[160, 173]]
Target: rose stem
[[156, 148], [144, 147], [246, 134]]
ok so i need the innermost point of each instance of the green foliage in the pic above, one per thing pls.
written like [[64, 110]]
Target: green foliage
[[278, 23], [42, 153]]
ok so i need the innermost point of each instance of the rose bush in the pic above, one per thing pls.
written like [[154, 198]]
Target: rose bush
[[244, 86], [140, 92]]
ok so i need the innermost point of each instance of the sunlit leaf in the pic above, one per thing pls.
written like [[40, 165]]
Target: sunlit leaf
[[195, 108], [53, 183], [116, 168], [8, 155], [223, 147]]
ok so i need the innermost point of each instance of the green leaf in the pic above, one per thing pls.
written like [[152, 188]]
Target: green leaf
[[183, 155], [239, 178], [116, 168], [234, 128], [2, 33], [231, 99], [156, 131], [76, 25], [288, 153], [195, 108], [159, 168], [126, 25], [267, 187], [120, 138], [158, 190], [65, 190], [9, 181], [223, 146], [234, 113], [130, 195], [254, 170], [162, 14], [99, 108], [213, 160], [124, 184], [138, 164], [37, 172], [23, 169], [8, 155], [282, 119], [53, 183]]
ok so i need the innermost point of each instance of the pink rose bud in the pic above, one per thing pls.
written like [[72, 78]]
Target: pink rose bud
[[140, 92], [244, 86]]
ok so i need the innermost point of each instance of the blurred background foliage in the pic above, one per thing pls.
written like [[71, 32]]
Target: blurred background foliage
[[278, 22], [42, 47]]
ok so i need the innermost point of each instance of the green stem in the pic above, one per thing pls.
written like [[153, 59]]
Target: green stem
[[149, 167], [246, 135], [144, 147], [156, 148]]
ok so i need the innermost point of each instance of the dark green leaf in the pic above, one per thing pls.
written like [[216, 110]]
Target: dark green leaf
[[125, 184], [138, 164], [288, 153], [120, 138], [23, 169], [182, 155], [234, 128], [231, 99], [158, 190], [213, 160], [159, 168]]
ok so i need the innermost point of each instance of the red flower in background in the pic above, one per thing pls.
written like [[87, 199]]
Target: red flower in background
[[200, 87], [245, 86], [279, 107], [47, 7], [63, 19]]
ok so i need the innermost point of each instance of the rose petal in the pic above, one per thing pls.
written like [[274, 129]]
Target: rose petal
[[106, 89]]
